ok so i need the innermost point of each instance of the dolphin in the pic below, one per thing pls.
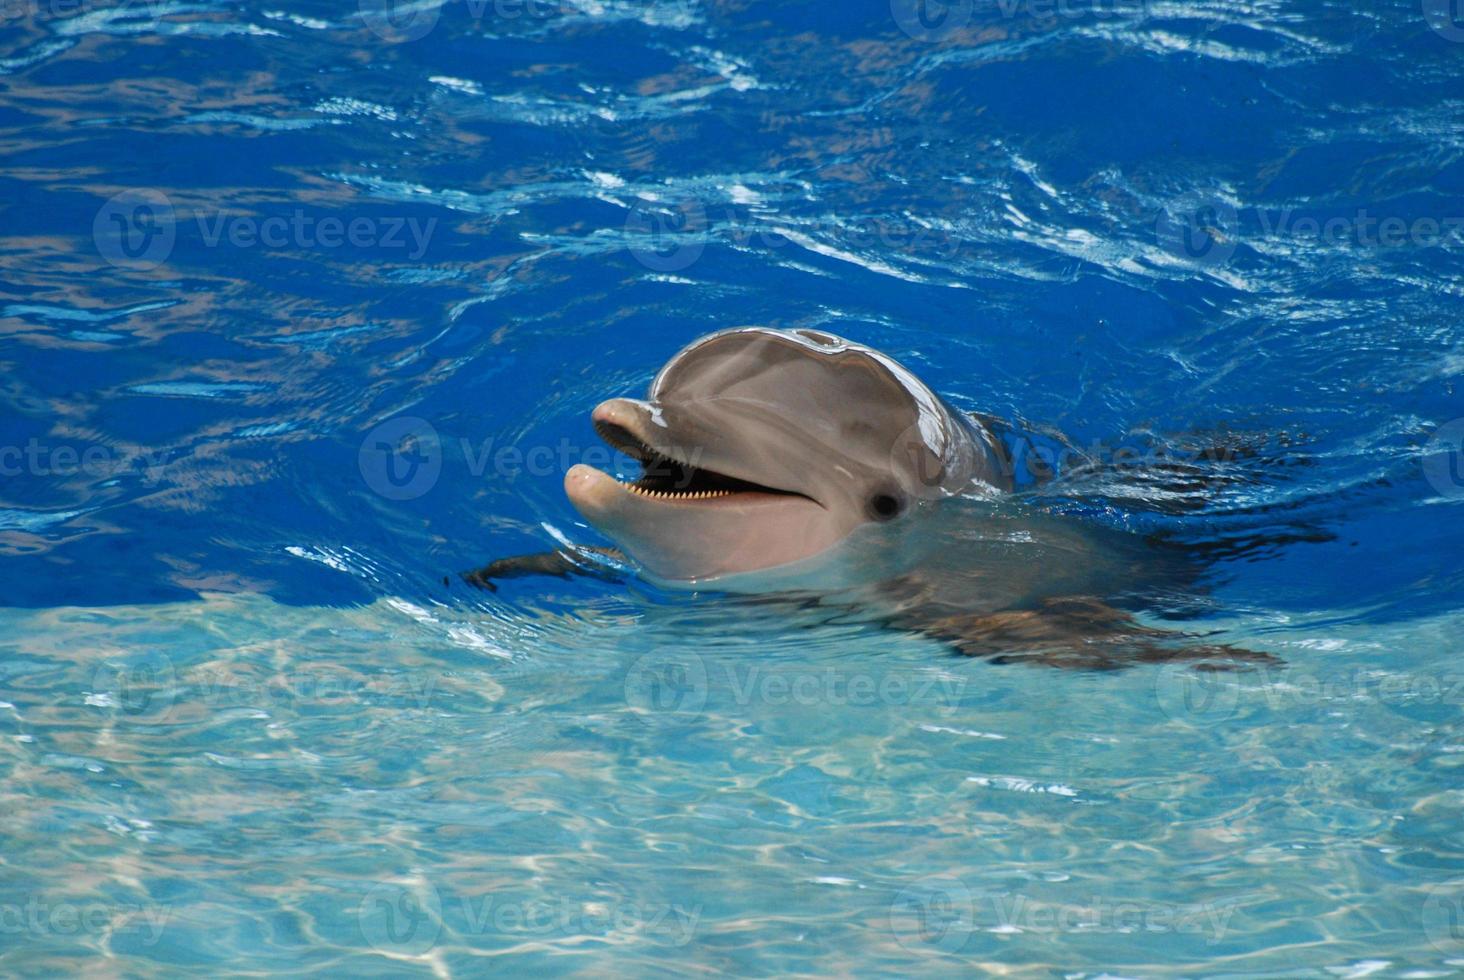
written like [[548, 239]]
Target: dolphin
[[795, 462], [763, 448]]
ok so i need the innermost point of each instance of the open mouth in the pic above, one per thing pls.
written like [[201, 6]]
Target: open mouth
[[668, 478]]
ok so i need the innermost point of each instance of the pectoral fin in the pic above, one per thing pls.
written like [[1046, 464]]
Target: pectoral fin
[[1080, 633], [560, 564]]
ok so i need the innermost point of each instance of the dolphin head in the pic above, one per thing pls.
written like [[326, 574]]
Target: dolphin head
[[766, 447]]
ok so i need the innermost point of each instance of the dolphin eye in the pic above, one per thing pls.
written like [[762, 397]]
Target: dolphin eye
[[885, 507]]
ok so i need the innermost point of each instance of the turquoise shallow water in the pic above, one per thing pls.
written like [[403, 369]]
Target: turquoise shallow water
[[234, 785], [244, 728]]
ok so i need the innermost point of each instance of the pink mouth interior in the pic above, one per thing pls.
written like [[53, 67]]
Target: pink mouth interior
[[671, 479]]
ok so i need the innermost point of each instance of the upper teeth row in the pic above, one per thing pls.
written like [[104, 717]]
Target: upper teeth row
[[681, 494]]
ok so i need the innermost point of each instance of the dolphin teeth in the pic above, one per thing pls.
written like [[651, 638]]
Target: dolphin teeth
[[676, 494]]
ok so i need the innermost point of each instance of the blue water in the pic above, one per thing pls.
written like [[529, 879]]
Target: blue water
[[246, 728]]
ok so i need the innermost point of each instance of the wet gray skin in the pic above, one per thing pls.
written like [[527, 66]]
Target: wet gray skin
[[765, 449]]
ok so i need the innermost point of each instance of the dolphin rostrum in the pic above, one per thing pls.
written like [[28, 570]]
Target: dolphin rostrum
[[799, 462]]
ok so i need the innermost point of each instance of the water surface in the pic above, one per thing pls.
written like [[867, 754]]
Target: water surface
[[246, 728]]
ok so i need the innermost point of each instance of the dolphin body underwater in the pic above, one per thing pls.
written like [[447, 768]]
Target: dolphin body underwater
[[798, 464]]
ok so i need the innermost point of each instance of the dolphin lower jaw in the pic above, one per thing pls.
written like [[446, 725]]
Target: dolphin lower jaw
[[683, 537], [684, 521]]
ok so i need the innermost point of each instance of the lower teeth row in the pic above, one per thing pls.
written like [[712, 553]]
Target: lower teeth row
[[679, 494]]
